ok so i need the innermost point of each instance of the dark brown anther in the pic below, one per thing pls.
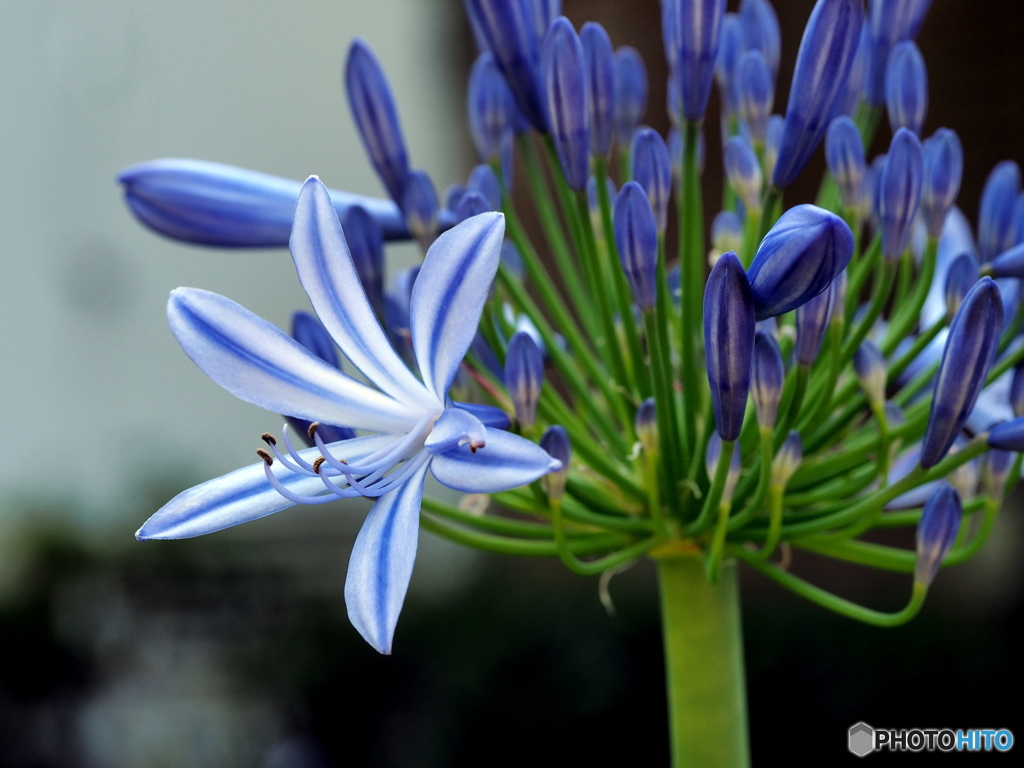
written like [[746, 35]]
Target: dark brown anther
[[316, 464], [268, 438], [266, 457], [312, 430]]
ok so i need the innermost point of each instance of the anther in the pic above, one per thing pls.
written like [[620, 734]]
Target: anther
[[312, 430], [268, 438], [265, 456], [316, 464]]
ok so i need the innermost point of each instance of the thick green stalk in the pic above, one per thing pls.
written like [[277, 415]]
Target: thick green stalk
[[703, 664]]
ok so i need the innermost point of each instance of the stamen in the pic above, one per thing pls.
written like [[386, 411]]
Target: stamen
[[265, 456], [291, 496], [293, 453], [268, 438], [316, 464], [311, 431], [299, 470]]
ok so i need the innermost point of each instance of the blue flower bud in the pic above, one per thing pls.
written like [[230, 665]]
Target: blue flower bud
[[729, 341], [419, 202], [936, 532], [787, 459], [472, 204], [636, 236], [844, 153], [366, 244], [726, 233], [1008, 436], [823, 63], [812, 320], [310, 333], [943, 169], [767, 376], [564, 72], [869, 366], [744, 172], [453, 195], [673, 99], [484, 180], [755, 93], [630, 93], [600, 58], [761, 31], [376, 118], [509, 30], [524, 377], [994, 472], [711, 457], [855, 88], [798, 258], [490, 106], [899, 192], [1017, 391], [839, 296], [556, 442], [906, 87], [996, 227], [512, 260], [966, 360], [652, 170], [960, 278], [543, 13], [647, 426], [891, 21], [772, 141], [1008, 264], [691, 30], [730, 48]]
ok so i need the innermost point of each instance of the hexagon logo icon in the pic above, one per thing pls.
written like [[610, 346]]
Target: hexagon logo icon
[[861, 739]]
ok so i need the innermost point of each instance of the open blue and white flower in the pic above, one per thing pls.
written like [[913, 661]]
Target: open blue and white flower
[[414, 426]]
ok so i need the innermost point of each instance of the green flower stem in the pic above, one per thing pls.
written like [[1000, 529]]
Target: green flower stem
[[703, 664], [1014, 477], [840, 488], [713, 562], [625, 171], [563, 545], [764, 478], [493, 524], [652, 462], [1013, 330], [833, 602], [825, 393], [792, 410], [605, 499], [907, 313], [859, 276], [772, 197], [750, 239], [714, 494], [622, 290], [879, 295], [775, 493], [904, 273], [921, 341], [882, 453], [691, 280], [664, 409], [524, 500], [961, 553]]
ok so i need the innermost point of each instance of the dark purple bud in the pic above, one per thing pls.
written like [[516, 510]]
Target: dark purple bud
[[906, 87], [652, 170], [996, 230], [490, 106], [766, 379], [899, 192], [726, 232], [366, 244], [419, 203], [484, 180], [310, 333], [630, 93], [891, 21], [869, 367], [966, 360], [936, 532], [524, 377], [1008, 436], [787, 459], [844, 153], [857, 81], [691, 30], [636, 236], [1017, 391], [812, 320], [647, 426], [556, 442], [376, 118], [961, 277], [798, 258], [729, 341], [1009, 263], [730, 48], [565, 89], [761, 31], [755, 93], [772, 141], [600, 58], [943, 169], [509, 30], [744, 172], [823, 63], [471, 204]]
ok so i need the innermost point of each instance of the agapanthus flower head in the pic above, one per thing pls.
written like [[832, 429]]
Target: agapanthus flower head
[[869, 365], [730, 49], [899, 192], [421, 207], [600, 58], [652, 170], [711, 458], [755, 93], [798, 258], [943, 169], [996, 231], [844, 153], [729, 342], [761, 31], [906, 87], [726, 233], [646, 425], [936, 532], [823, 62], [484, 180], [636, 236], [767, 377], [970, 349], [744, 172], [524, 377], [490, 106], [555, 441], [376, 117], [366, 244], [960, 278], [564, 75], [891, 21], [812, 319], [630, 93], [787, 459], [691, 30]]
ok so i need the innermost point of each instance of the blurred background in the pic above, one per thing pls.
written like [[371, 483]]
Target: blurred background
[[234, 649]]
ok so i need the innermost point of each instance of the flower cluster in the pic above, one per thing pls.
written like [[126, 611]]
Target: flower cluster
[[843, 366]]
